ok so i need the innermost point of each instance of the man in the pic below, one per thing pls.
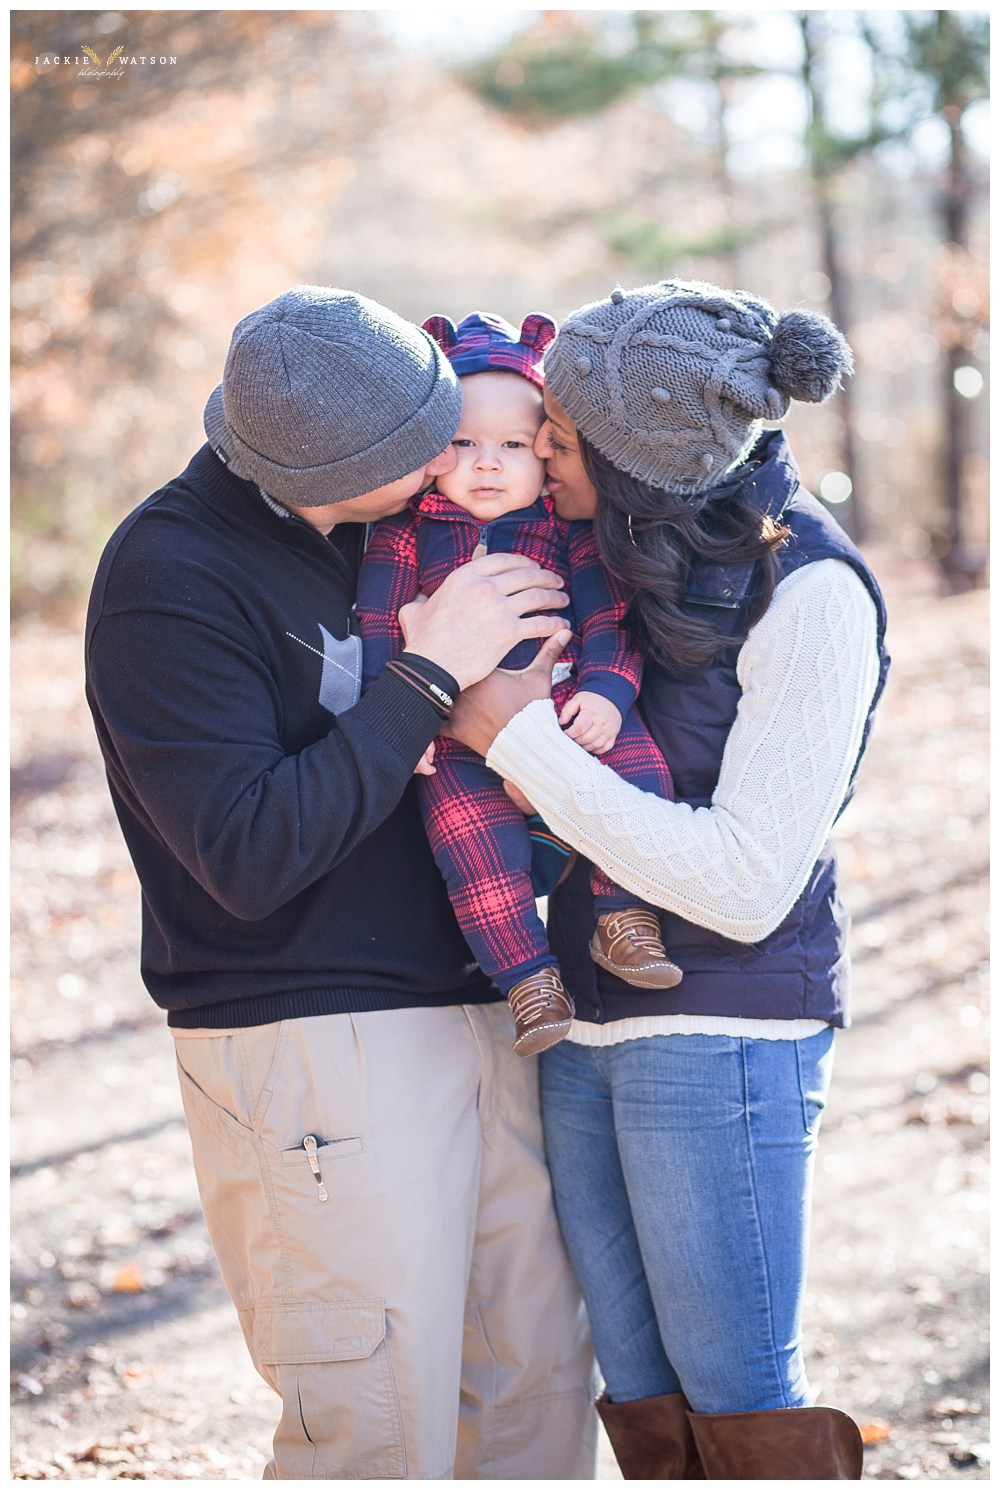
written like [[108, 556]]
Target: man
[[367, 1146]]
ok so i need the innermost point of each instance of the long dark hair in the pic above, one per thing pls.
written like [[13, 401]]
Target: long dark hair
[[648, 538]]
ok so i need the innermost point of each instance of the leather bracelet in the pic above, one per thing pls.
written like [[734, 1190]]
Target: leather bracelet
[[431, 673], [429, 692], [444, 698]]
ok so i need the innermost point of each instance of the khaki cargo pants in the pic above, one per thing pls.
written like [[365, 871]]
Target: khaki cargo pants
[[376, 1193]]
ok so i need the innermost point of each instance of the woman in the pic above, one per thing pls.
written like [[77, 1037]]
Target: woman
[[681, 1125]]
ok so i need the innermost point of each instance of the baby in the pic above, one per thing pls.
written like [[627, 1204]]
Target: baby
[[494, 501]]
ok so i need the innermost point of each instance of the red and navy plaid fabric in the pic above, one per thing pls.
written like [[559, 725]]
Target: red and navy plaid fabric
[[482, 845], [415, 551], [480, 841], [487, 343]]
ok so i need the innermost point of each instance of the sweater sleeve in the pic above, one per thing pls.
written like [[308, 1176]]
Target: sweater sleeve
[[808, 672], [190, 721]]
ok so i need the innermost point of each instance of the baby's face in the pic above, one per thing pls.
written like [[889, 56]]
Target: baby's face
[[498, 470]]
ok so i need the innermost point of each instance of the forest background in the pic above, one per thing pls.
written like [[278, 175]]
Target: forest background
[[521, 161], [446, 161]]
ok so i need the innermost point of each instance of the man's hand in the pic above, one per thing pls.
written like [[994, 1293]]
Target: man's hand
[[483, 609], [594, 721], [481, 712], [425, 765]]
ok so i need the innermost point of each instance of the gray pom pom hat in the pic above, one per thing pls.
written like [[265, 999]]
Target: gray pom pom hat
[[672, 382], [326, 395]]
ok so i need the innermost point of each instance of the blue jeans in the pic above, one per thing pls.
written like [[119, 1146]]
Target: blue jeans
[[682, 1168]]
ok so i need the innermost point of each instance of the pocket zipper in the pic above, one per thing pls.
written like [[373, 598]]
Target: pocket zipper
[[311, 1145]]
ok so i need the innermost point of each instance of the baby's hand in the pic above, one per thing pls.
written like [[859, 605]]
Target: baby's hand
[[425, 765], [596, 721]]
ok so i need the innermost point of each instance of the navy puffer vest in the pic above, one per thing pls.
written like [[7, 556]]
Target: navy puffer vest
[[801, 970]]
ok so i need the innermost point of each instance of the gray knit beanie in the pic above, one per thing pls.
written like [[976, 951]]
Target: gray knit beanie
[[672, 382], [326, 395]]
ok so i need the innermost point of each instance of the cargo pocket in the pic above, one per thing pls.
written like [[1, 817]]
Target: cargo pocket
[[330, 1364]]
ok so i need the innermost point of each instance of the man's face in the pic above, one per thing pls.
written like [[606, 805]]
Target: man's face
[[382, 502]]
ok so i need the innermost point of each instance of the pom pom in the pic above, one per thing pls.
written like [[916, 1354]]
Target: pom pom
[[659, 395], [808, 356], [617, 296]]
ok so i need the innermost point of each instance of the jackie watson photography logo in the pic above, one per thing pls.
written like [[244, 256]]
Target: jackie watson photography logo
[[85, 63]]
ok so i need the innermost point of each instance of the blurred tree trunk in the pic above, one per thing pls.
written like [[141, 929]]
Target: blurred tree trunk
[[138, 207], [948, 52], [822, 166], [722, 87], [955, 206], [575, 65]]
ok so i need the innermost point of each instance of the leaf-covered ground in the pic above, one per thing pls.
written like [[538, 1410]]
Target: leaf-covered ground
[[127, 1359]]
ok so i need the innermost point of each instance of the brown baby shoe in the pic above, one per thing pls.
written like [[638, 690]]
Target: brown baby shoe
[[628, 944], [542, 1009]]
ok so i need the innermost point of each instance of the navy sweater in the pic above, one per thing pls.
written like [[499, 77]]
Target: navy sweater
[[270, 813]]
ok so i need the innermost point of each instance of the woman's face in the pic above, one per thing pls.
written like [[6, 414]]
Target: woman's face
[[558, 445]]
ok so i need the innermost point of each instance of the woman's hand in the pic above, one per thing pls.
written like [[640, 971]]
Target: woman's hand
[[518, 798], [481, 712]]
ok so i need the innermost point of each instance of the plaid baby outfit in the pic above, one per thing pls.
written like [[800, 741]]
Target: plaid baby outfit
[[480, 840]]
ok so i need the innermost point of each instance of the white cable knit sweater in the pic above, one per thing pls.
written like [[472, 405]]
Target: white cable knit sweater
[[808, 672]]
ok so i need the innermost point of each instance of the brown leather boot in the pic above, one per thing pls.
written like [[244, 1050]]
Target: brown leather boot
[[628, 944], [542, 1009], [652, 1438], [788, 1443]]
